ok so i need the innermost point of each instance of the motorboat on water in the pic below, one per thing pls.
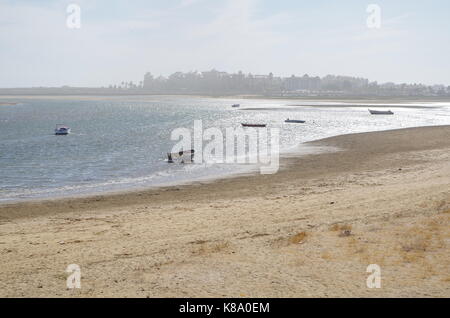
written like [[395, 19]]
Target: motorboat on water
[[253, 125], [62, 130], [381, 112], [295, 121]]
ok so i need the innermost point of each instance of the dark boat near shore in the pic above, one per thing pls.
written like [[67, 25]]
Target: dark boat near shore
[[381, 112], [295, 121], [253, 125]]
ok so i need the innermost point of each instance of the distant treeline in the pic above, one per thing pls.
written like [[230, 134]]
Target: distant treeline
[[215, 83], [222, 83]]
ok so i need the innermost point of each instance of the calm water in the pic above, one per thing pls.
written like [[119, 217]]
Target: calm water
[[120, 143]]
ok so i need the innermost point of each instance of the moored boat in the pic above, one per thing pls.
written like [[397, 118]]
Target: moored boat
[[253, 125], [296, 121], [381, 112], [62, 130]]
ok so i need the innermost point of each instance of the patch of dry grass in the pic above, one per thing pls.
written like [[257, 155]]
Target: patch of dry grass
[[425, 238], [421, 243], [343, 229], [211, 248], [61, 276], [298, 238], [286, 241], [416, 240], [365, 251], [443, 206], [326, 255], [340, 227]]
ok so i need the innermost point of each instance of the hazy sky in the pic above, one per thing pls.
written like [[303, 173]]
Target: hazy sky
[[121, 40]]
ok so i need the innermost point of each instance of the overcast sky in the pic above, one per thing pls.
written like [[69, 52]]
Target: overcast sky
[[121, 40]]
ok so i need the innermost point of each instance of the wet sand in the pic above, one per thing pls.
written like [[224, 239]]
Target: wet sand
[[309, 230]]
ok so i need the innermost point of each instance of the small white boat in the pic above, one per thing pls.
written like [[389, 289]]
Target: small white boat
[[381, 112], [295, 121], [62, 130], [236, 105]]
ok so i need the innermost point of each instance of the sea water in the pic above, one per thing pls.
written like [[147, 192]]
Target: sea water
[[120, 143]]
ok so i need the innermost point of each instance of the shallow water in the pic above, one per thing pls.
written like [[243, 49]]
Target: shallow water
[[121, 143]]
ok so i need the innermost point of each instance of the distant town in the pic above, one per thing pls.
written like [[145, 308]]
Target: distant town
[[216, 83]]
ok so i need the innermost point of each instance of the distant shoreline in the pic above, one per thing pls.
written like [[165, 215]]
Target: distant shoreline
[[355, 99]]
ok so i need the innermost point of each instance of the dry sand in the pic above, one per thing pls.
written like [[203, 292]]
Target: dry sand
[[310, 230]]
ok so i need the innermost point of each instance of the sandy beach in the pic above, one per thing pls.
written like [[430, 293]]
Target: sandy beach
[[310, 230]]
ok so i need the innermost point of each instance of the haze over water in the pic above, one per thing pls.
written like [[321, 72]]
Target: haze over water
[[121, 142]]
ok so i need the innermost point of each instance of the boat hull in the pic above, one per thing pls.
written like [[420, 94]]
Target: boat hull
[[62, 132], [380, 112], [295, 121], [254, 125]]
